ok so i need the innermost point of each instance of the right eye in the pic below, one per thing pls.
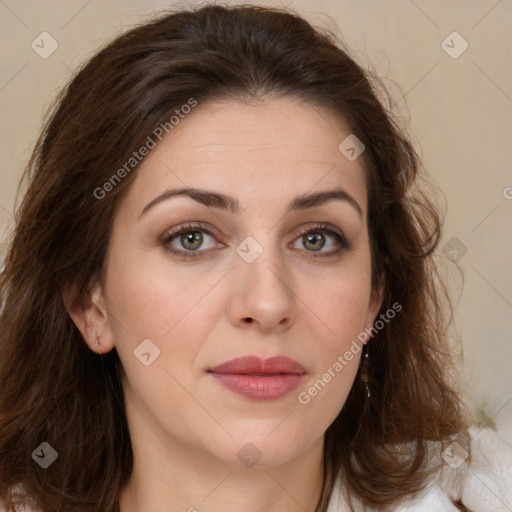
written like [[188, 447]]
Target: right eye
[[186, 241]]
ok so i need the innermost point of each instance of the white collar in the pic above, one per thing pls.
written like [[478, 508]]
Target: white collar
[[484, 485]]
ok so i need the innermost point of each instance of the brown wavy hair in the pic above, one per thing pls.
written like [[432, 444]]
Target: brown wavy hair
[[53, 388]]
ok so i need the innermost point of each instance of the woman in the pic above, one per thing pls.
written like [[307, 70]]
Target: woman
[[219, 294]]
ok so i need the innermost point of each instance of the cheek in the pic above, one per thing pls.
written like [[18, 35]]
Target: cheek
[[323, 396], [341, 303], [156, 302], [341, 300]]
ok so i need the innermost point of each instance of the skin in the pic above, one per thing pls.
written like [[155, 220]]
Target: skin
[[186, 428]]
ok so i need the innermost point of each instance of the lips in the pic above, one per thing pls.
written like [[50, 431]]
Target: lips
[[255, 365], [259, 379]]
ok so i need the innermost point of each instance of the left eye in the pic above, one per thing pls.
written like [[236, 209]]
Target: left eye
[[315, 240]]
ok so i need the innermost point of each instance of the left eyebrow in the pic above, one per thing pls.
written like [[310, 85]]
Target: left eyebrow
[[222, 201], [318, 198]]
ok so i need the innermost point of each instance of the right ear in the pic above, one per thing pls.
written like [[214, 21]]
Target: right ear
[[90, 315]]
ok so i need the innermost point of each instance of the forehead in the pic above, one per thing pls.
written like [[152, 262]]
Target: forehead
[[251, 149]]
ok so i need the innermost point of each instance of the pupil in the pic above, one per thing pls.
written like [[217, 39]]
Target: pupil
[[313, 238], [192, 237]]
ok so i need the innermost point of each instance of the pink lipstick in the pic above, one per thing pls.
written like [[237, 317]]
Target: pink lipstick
[[260, 379]]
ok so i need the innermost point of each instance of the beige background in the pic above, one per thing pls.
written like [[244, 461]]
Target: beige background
[[460, 114]]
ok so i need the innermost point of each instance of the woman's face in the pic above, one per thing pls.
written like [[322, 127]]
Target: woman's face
[[241, 280]]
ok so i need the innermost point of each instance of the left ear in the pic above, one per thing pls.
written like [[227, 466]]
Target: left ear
[[374, 305]]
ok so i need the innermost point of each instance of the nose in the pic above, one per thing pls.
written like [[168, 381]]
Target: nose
[[263, 296]]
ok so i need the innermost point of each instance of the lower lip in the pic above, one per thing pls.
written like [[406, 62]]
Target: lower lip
[[258, 387]]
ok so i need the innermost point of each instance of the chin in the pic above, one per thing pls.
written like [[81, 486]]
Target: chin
[[262, 451]]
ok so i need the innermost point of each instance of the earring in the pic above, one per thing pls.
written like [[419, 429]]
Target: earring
[[365, 371], [97, 342]]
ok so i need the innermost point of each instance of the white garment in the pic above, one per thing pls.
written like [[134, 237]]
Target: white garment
[[483, 486]]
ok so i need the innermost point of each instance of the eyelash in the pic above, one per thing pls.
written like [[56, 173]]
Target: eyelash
[[341, 239]]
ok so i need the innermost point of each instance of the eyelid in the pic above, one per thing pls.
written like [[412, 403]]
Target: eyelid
[[324, 227]]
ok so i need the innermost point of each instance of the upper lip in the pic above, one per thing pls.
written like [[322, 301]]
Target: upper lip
[[257, 365]]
